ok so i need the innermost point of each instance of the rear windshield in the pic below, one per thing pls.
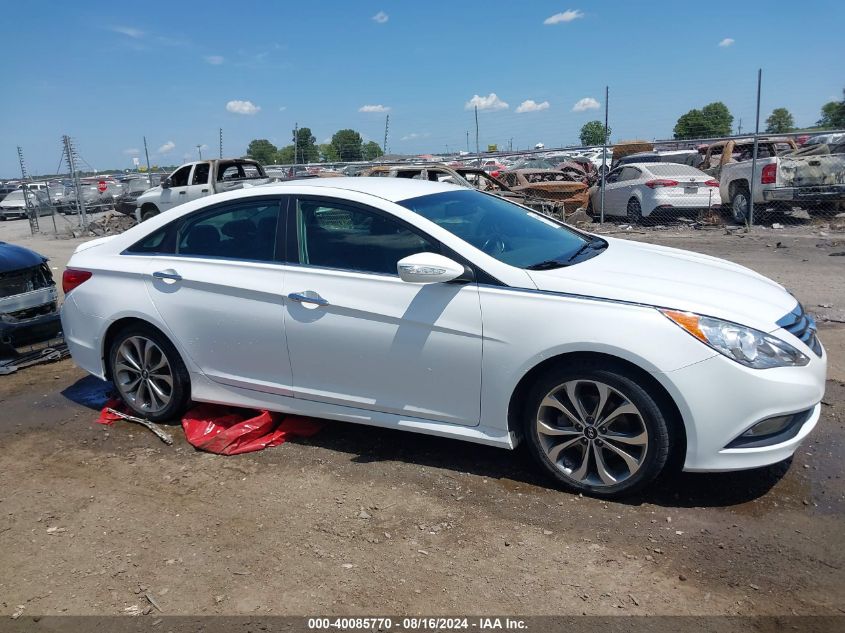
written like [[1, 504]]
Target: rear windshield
[[673, 169]]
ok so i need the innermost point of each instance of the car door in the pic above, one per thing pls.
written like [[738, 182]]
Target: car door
[[611, 193], [219, 287], [177, 193], [359, 336], [200, 182]]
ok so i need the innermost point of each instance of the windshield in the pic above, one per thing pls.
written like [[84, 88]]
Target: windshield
[[510, 233]]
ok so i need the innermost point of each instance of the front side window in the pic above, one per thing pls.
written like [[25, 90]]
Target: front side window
[[201, 174], [512, 234], [180, 176], [238, 231], [334, 235]]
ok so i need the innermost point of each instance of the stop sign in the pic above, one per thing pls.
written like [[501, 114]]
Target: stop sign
[[101, 186]]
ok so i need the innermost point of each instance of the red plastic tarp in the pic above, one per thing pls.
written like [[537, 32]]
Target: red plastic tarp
[[230, 431]]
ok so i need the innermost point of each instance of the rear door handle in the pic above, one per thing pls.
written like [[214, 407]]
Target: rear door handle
[[171, 276], [301, 297], [205, 190], [183, 193]]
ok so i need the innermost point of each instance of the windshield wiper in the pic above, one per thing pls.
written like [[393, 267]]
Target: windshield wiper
[[595, 244], [549, 264]]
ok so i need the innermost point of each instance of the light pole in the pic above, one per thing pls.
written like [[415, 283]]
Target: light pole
[[199, 150]]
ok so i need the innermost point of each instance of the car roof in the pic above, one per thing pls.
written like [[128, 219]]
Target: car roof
[[392, 189]]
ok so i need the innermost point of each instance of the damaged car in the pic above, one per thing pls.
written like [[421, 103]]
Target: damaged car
[[28, 300], [549, 184]]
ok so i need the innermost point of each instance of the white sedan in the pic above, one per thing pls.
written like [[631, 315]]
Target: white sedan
[[436, 309], [639, 190]]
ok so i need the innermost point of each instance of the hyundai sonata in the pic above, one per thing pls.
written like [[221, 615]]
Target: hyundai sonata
[[437, 309]]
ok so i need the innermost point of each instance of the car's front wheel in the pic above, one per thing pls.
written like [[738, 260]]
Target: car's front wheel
[[596, 430], [149, 374]]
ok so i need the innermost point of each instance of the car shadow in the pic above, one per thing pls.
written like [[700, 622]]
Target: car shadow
[[673, 489], [89, 392]]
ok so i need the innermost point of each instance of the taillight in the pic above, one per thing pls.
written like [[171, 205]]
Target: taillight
[[711, 183], [661, 182], [72, 278], [769, 175], [495, 174]]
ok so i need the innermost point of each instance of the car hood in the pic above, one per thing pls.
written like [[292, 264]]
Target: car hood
[[673, 278], [14, 257]]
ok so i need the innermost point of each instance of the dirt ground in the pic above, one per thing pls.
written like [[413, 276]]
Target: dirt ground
[[359, 520]]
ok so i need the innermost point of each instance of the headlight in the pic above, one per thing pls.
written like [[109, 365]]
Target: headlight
[[745, 345]]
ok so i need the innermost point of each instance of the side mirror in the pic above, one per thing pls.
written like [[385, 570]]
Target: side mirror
[[166, 184], [428, 268]]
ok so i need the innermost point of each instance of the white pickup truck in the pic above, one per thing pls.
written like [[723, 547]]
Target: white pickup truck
[[784, 176], [196, 180]]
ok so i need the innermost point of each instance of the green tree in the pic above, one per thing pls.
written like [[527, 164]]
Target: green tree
[[306, 146], [780, 121], [285, 155], [592, 133], [262, 150], [714, 119], [371, 150], [833, 114], [347, 144], [328, 153]]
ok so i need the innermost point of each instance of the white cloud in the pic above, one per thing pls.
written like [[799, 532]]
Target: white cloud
[[374, 108], [128, 31], [415, 135], [566, 16], [242, 107], [282, 108], [728, 41], [132, 151], [587, 103], [381, 17], [529, 105], [214, 60], [167, 147], [490, 102]]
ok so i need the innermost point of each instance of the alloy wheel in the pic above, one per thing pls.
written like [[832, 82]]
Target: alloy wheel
[[143, 374], [739, 208], [592, 433]]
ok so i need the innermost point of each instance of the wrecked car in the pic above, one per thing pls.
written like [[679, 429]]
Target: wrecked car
[[470, 177], [28, 300], [549, 184]]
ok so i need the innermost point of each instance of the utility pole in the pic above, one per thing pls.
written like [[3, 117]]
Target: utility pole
[[467, 141], [220, 130], [739, 127], [477, 151], [386, 126], [750, 218], [70, 154], [24, 174], [32, 215], [604, 152], [199, 151], [295, 136], [147, 154]]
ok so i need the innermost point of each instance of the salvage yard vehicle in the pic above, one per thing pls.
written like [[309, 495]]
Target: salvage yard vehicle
[[783, 177], [471, 177], [433, 308], [197, 180], [28, 300], [640, 190], [19, 203], [549, 184]]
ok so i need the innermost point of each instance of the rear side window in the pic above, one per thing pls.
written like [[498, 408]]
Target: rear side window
[[244, 231], [156, 242]]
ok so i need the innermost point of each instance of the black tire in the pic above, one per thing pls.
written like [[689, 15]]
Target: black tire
[[180, 394], [147, 212], [634, 211], [654, 420], [739, 204]]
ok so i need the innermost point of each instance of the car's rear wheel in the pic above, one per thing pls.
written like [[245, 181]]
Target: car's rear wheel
[[149, 374], [635, 211], [148, 211], [739, 204], [596, 430]]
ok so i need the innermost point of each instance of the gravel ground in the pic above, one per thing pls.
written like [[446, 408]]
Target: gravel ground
[[358, 520]]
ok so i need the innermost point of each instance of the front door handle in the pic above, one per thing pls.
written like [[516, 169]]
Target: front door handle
[[169, 275], [183, 193], [301, 297]]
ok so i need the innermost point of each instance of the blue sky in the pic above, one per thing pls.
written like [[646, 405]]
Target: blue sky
[[109, 73]]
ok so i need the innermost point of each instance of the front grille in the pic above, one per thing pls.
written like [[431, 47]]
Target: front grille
[[802, 326]]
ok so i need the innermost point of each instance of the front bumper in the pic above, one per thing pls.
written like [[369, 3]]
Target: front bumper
[[720, 399], [22, 333]]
